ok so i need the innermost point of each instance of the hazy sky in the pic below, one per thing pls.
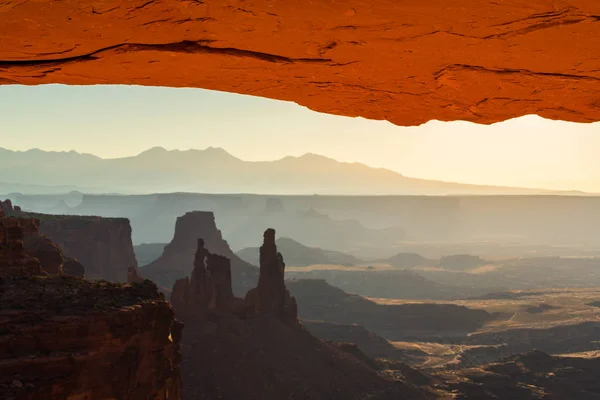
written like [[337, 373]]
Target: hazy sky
[[116, 121]]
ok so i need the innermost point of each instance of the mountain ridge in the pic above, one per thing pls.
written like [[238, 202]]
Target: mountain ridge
[[216, 170]]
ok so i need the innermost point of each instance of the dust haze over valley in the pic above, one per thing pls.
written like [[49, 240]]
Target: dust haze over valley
[[307, 276]]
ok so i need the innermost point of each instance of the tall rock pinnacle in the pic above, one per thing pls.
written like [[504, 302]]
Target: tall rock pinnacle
[[271, 297]]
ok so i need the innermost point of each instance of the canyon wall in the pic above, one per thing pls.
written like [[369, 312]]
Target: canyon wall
[[102, 245], [63, 337]]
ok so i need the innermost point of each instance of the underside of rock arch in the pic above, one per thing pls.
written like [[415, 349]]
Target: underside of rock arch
[[405, 61]]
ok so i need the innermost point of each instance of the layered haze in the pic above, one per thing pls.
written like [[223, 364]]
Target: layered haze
[[214, 170], [123, 121]]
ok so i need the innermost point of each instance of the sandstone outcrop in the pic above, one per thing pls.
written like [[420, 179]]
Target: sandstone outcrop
[[102, 245], [133, 276], [256, 349], [20, 241], [271, 297], [177, 259], [73, 267], [64, 337], [6, 207], [48, 253], [14, 261], [407, 62], [207, 290]]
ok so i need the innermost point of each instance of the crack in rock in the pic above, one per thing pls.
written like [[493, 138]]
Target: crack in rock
[[509, 71], [199, 47]]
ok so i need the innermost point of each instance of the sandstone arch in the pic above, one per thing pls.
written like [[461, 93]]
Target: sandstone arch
[[405, 61]]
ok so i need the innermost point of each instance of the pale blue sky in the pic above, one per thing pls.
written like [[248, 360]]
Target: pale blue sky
[[116, 121]]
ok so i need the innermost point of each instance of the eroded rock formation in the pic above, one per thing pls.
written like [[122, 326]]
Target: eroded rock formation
[[406, 62], [6, 207], [20, 240], [73, 267], [177, 259], [14, 261], [133, 276], [102, 245], [271, 297], [208, 289], [64, 337]]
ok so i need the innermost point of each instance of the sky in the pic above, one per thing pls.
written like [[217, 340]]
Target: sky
[[118, 121]]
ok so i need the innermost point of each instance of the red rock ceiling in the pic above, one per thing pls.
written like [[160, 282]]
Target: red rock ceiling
[[407, 61]]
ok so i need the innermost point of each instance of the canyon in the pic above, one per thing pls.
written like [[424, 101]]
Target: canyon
[[273, 338]]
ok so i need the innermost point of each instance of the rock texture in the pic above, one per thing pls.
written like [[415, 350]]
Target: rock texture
[[133, 276], [208, 290], [66, 338], [14, 261], [20, 241], [62, 337], [102, 245], [256, 349], [271, 297], [409, 62], [177, 259]]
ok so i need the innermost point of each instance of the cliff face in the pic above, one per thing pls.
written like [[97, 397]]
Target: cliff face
[[407, 62], [177, 259], [102, 245], [62, 337], [256, 349], [271, 297]]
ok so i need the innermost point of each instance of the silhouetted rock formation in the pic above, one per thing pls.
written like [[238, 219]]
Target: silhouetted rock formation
[[271, 297], [255, 349], [73, 267], [48, 253], [133, 276], [177, 259], [207, 290], [219, 268], [6, 207], [102, 245], [20, 241], [14, 261], [209, 287], [299, 255]]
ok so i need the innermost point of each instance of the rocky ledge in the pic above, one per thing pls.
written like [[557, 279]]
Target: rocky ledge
[[65, 337], [62, 336]]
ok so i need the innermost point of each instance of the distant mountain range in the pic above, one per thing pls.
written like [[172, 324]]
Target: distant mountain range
[[214, 170]]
